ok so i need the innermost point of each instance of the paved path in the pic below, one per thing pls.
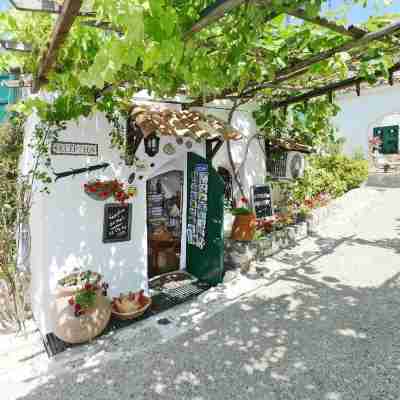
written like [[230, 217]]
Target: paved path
[[322, 323]]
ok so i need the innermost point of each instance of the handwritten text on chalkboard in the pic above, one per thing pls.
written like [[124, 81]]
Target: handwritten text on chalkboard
[[117, 223], [262, 201]]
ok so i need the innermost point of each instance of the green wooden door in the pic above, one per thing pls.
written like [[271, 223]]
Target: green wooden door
[[389, 136], [205, 215]]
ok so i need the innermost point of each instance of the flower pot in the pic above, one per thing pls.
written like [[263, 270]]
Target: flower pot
[[72, 329], [244, 227]]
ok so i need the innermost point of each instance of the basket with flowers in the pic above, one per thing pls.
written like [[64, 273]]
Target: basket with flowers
[[131, 305], [103, 190]]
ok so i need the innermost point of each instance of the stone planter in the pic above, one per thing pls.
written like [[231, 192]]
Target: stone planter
[[244, 227], [239, 253]]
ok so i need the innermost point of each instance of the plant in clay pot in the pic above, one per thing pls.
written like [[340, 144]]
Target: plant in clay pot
[[245, 222], [85, 298]]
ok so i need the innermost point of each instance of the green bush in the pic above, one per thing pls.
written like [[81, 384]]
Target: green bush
[[333, 174]]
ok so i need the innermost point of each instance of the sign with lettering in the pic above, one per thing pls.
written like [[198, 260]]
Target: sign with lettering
[[75, 149], [262, 201], [117, 223]]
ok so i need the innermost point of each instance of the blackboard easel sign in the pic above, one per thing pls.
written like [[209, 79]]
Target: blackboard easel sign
[[117, 222], [262, 201]]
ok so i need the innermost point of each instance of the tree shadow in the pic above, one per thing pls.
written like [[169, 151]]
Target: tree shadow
[[317, 341]]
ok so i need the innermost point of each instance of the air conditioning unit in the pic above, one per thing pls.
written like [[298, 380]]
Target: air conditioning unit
[[289, 165]]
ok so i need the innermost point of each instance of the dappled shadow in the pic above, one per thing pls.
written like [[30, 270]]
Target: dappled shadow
[[320, 339]]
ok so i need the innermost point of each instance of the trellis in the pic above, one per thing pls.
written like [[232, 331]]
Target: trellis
[[71, 9]]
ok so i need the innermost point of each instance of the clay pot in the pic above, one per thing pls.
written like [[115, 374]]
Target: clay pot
[[244, 227], [72, 329]]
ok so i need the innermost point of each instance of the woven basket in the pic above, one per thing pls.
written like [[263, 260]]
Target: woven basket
[[132, 315]]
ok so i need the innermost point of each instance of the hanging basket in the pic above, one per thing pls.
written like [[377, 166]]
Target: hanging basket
[[100, 190]]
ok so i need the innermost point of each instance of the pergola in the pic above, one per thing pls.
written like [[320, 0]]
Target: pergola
[[70, 10]]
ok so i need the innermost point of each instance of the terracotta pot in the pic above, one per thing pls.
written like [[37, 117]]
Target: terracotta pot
[[72, 329], [244, 227]]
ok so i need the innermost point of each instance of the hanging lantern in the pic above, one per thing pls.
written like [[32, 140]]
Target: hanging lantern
[[152, 145]]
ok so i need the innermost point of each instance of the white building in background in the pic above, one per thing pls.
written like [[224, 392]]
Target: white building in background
[[375, 108]]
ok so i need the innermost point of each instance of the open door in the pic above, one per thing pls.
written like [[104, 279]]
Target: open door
[[205, 215]]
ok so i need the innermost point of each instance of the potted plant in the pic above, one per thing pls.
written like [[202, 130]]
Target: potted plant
[[82, 308], [303, 213], [84, 299], [245, 222]]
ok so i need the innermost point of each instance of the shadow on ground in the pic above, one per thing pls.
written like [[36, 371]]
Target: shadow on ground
[[321, 340]]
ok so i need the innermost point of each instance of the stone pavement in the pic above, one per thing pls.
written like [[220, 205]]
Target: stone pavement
[[318, 321]]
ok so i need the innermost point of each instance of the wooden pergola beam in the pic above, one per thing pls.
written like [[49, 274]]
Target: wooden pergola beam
[[70, 10], [332, 87], [46, 6]]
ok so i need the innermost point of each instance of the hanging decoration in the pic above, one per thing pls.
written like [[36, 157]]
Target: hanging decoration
[[77, 171], [152, 145], [169, 149], [103, 190]]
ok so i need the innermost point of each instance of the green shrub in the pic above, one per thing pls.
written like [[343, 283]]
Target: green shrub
[[333, 174]]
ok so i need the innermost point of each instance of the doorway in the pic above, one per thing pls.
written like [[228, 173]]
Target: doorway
[[164, 222]]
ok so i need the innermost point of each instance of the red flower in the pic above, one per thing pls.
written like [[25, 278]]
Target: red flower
[[244, 200], [92, 190], [104, 194], [88, 286]]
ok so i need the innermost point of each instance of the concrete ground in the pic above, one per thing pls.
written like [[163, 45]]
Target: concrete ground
[[318, 321]]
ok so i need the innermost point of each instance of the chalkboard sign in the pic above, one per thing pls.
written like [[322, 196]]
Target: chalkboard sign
[[117, 222], [262, 201]]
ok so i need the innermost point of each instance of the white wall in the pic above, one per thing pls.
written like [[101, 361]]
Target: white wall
[[359, 115], [67, 225], [253, 172]]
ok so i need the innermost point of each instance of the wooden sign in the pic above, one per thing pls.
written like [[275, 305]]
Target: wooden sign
[[262, 201], [75, 149], [117, 223]]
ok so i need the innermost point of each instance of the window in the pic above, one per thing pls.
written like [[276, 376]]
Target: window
[[227, 178]]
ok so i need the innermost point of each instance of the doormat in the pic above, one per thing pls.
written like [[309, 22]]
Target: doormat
[[174, 288], [166, 291]]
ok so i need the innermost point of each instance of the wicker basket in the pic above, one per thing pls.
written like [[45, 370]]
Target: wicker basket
[[132, 315]]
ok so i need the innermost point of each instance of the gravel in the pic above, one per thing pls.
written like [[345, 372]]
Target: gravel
[[320, 323]]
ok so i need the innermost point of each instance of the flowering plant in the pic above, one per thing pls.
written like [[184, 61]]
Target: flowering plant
[[85, 298], [242, 208], [102, 190], [375, 141]]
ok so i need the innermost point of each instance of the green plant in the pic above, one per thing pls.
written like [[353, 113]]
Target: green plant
[[85, 298], [243, 208]]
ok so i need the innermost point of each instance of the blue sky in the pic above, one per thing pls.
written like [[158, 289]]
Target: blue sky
[[357, 14]]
